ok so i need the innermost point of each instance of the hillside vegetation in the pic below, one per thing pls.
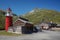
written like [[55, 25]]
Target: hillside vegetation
[[2, 19], [39, 15]]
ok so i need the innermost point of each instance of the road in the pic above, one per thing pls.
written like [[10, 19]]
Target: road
[[45, 35]]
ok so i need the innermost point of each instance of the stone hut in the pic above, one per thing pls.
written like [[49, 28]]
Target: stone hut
[[16, 28]]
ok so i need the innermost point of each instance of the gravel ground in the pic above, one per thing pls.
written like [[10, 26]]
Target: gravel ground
[[45, 35]]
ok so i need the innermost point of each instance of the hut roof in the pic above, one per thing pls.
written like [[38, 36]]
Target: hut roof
[[23, 19]]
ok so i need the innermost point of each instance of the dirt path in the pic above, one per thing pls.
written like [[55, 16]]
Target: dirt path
[[45, 35]]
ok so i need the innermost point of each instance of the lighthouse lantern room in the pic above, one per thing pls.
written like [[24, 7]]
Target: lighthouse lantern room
[[8, 20]]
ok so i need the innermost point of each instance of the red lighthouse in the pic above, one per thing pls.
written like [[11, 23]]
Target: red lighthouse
[[8, 20]]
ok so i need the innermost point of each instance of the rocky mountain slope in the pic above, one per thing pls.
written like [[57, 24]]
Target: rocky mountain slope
[[39, 15]]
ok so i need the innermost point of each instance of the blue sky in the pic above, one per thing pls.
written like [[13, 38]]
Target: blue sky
[[20, 7]]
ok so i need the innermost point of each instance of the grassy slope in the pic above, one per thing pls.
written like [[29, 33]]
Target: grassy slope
[[8, 34], [2, 19], [46, 15]]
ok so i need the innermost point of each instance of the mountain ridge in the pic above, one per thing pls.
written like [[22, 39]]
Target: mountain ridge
[[43, 14]]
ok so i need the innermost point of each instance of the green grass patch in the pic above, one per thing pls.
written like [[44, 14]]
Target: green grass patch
[[8, 33]]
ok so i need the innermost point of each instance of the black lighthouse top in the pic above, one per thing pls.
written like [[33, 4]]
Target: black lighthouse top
[[9, 10]]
